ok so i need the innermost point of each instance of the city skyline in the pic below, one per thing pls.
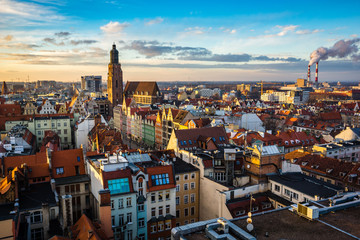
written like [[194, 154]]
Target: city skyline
[[194, 41]]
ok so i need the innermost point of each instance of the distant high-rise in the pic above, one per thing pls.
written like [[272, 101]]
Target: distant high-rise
[[115, 78], [91, 83], [4, 89]]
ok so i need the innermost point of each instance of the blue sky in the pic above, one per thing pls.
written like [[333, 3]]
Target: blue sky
[[182, 41]]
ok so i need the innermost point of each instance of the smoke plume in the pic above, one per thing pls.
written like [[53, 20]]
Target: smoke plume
[[341, 49]]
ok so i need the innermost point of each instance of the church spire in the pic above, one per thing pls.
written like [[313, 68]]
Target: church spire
[[114, 55]]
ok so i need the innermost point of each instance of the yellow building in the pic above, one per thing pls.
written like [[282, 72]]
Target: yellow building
[[187, 192]]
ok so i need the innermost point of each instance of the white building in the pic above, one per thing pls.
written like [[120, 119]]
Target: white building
[[47, 108], [83, 129]]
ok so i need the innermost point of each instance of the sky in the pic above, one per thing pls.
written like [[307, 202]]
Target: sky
[[179, 40]]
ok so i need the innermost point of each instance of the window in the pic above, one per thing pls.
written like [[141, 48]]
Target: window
[[177, 213], [277, 188], [37, 234], [153, 228], [129, 217], [58, 124], [160, 179], [112, 220], [36, 217], [121, 220], [160, 227], [167, 209], [141, 207], [186, 212], [177, 178], [52, 125], [186, 199], [192, 198], [239, 213], [65, 139], [129, 234], [142, 236], [186, 186], [65, 131], [119, 185], [192, 175], [255, 208], [65, 124], [160, 196], [121, 203], [177, 200], [38, 125], [153, 198], [128, 202], [186, 177], [77, 170], [168, 225], [192, 211], [167, 195], [39, 132], [153, 212], [178, 188], [141, 222], [160, 211], [140, 184], [220, 176], [192, 185], [112, 204], [59, 170]]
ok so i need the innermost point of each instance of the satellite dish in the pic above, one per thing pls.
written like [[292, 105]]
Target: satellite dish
[[250, 227]]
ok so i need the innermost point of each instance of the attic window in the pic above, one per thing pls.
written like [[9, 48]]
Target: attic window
[[190, 142], [239, 213], [304, 163], [287, 142], [214, 139], [185, 143], [329, 170], [292, 141]]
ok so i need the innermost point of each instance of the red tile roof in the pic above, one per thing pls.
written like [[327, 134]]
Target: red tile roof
[[68, 159], [151, 171], [193, 135]]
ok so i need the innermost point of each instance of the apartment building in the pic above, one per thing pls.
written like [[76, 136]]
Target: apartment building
[[187, 192]]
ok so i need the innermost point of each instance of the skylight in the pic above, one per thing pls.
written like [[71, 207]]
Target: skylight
[[160, 179]]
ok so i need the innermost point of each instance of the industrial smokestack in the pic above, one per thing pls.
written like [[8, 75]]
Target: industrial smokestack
[[341, 49], [308, 76], [316, 75]]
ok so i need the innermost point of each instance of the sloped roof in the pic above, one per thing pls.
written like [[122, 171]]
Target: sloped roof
[[160, 170], [81, 229], [68, 159], [133, 87], [324, 165], [193, 135]]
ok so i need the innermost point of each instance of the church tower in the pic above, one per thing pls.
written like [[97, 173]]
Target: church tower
[[115, 78]]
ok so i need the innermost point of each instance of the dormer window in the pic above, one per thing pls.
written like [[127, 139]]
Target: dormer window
[[304, 163], [287, 142], [329, 170]]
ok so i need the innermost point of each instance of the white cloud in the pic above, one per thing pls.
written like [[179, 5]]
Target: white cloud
[[15, 12], [307, 31], [154, 21], [231, 31], [114, 27], [286, 29]]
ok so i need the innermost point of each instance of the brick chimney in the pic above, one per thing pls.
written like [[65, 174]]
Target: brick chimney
[[105, 212]]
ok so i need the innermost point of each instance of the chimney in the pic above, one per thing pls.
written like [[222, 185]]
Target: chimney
[[97, 119], [316, 75], [308, 74]]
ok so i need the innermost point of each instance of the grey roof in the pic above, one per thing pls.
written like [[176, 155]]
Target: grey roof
[[356, 131], [183, 167], [72, 179], [305, 184], [37, 195]]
